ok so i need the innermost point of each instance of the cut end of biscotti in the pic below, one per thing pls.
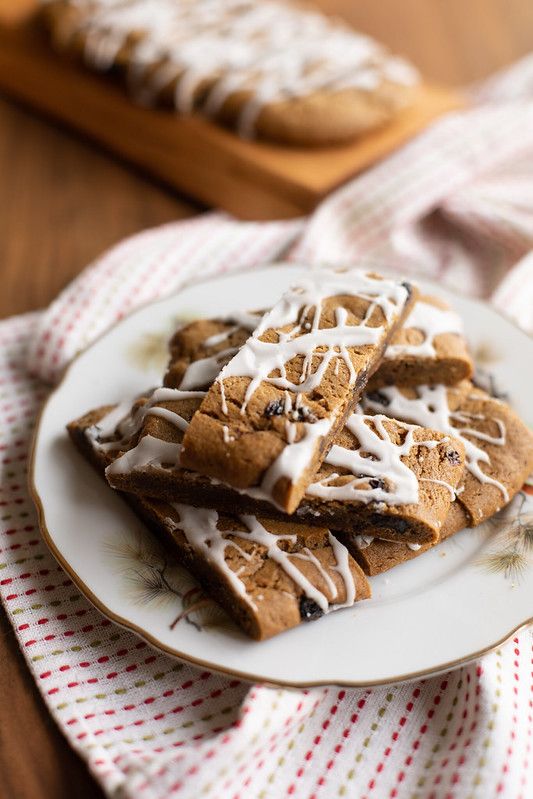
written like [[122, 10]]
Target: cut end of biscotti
[[376, 555], [428, 349]]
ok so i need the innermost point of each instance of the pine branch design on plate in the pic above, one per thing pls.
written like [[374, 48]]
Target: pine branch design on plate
[[152, 577], [512, 552]]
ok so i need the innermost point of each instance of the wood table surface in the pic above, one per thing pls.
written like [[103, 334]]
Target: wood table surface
[[62, 202]]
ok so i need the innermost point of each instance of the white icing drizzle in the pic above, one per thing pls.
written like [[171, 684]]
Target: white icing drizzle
[[396, 483], [291, 462], [246, 320], [204, 371], [363, 541], [258, 359], [172, 394], [200, 528], [430, 409], [290, 431], [130, 424], [342, 567], [175, 419], [308, 556], [431, 321], [446, 485], [107, 425], [270, 51], [415, 547], [226, 434], [218, 338], [150, 450]]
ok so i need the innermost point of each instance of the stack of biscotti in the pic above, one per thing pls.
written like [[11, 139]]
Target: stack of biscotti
[[264, 67], [287, 453]]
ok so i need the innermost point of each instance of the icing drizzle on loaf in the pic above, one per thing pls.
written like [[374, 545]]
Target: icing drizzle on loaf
[[202, 372], [380, 476], [199, 527], [430, 408], [377, 471], [431, 321], [126, 420], [266, 361], [211, 50]]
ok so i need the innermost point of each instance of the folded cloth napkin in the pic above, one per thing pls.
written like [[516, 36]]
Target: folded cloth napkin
[[455, 204]]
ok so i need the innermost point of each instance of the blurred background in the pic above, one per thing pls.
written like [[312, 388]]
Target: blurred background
[[54, 181]]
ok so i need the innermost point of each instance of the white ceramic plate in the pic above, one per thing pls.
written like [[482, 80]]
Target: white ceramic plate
[[448, 606]]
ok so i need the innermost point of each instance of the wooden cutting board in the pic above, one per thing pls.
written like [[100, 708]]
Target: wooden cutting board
[[252, 180]]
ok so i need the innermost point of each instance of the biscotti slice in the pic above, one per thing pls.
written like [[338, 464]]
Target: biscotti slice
[[429, 348], [381, 477], [375, 555], [268, 575], [200, 349], [498, 445], [271, 69], [270, 416], [387, 479]]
